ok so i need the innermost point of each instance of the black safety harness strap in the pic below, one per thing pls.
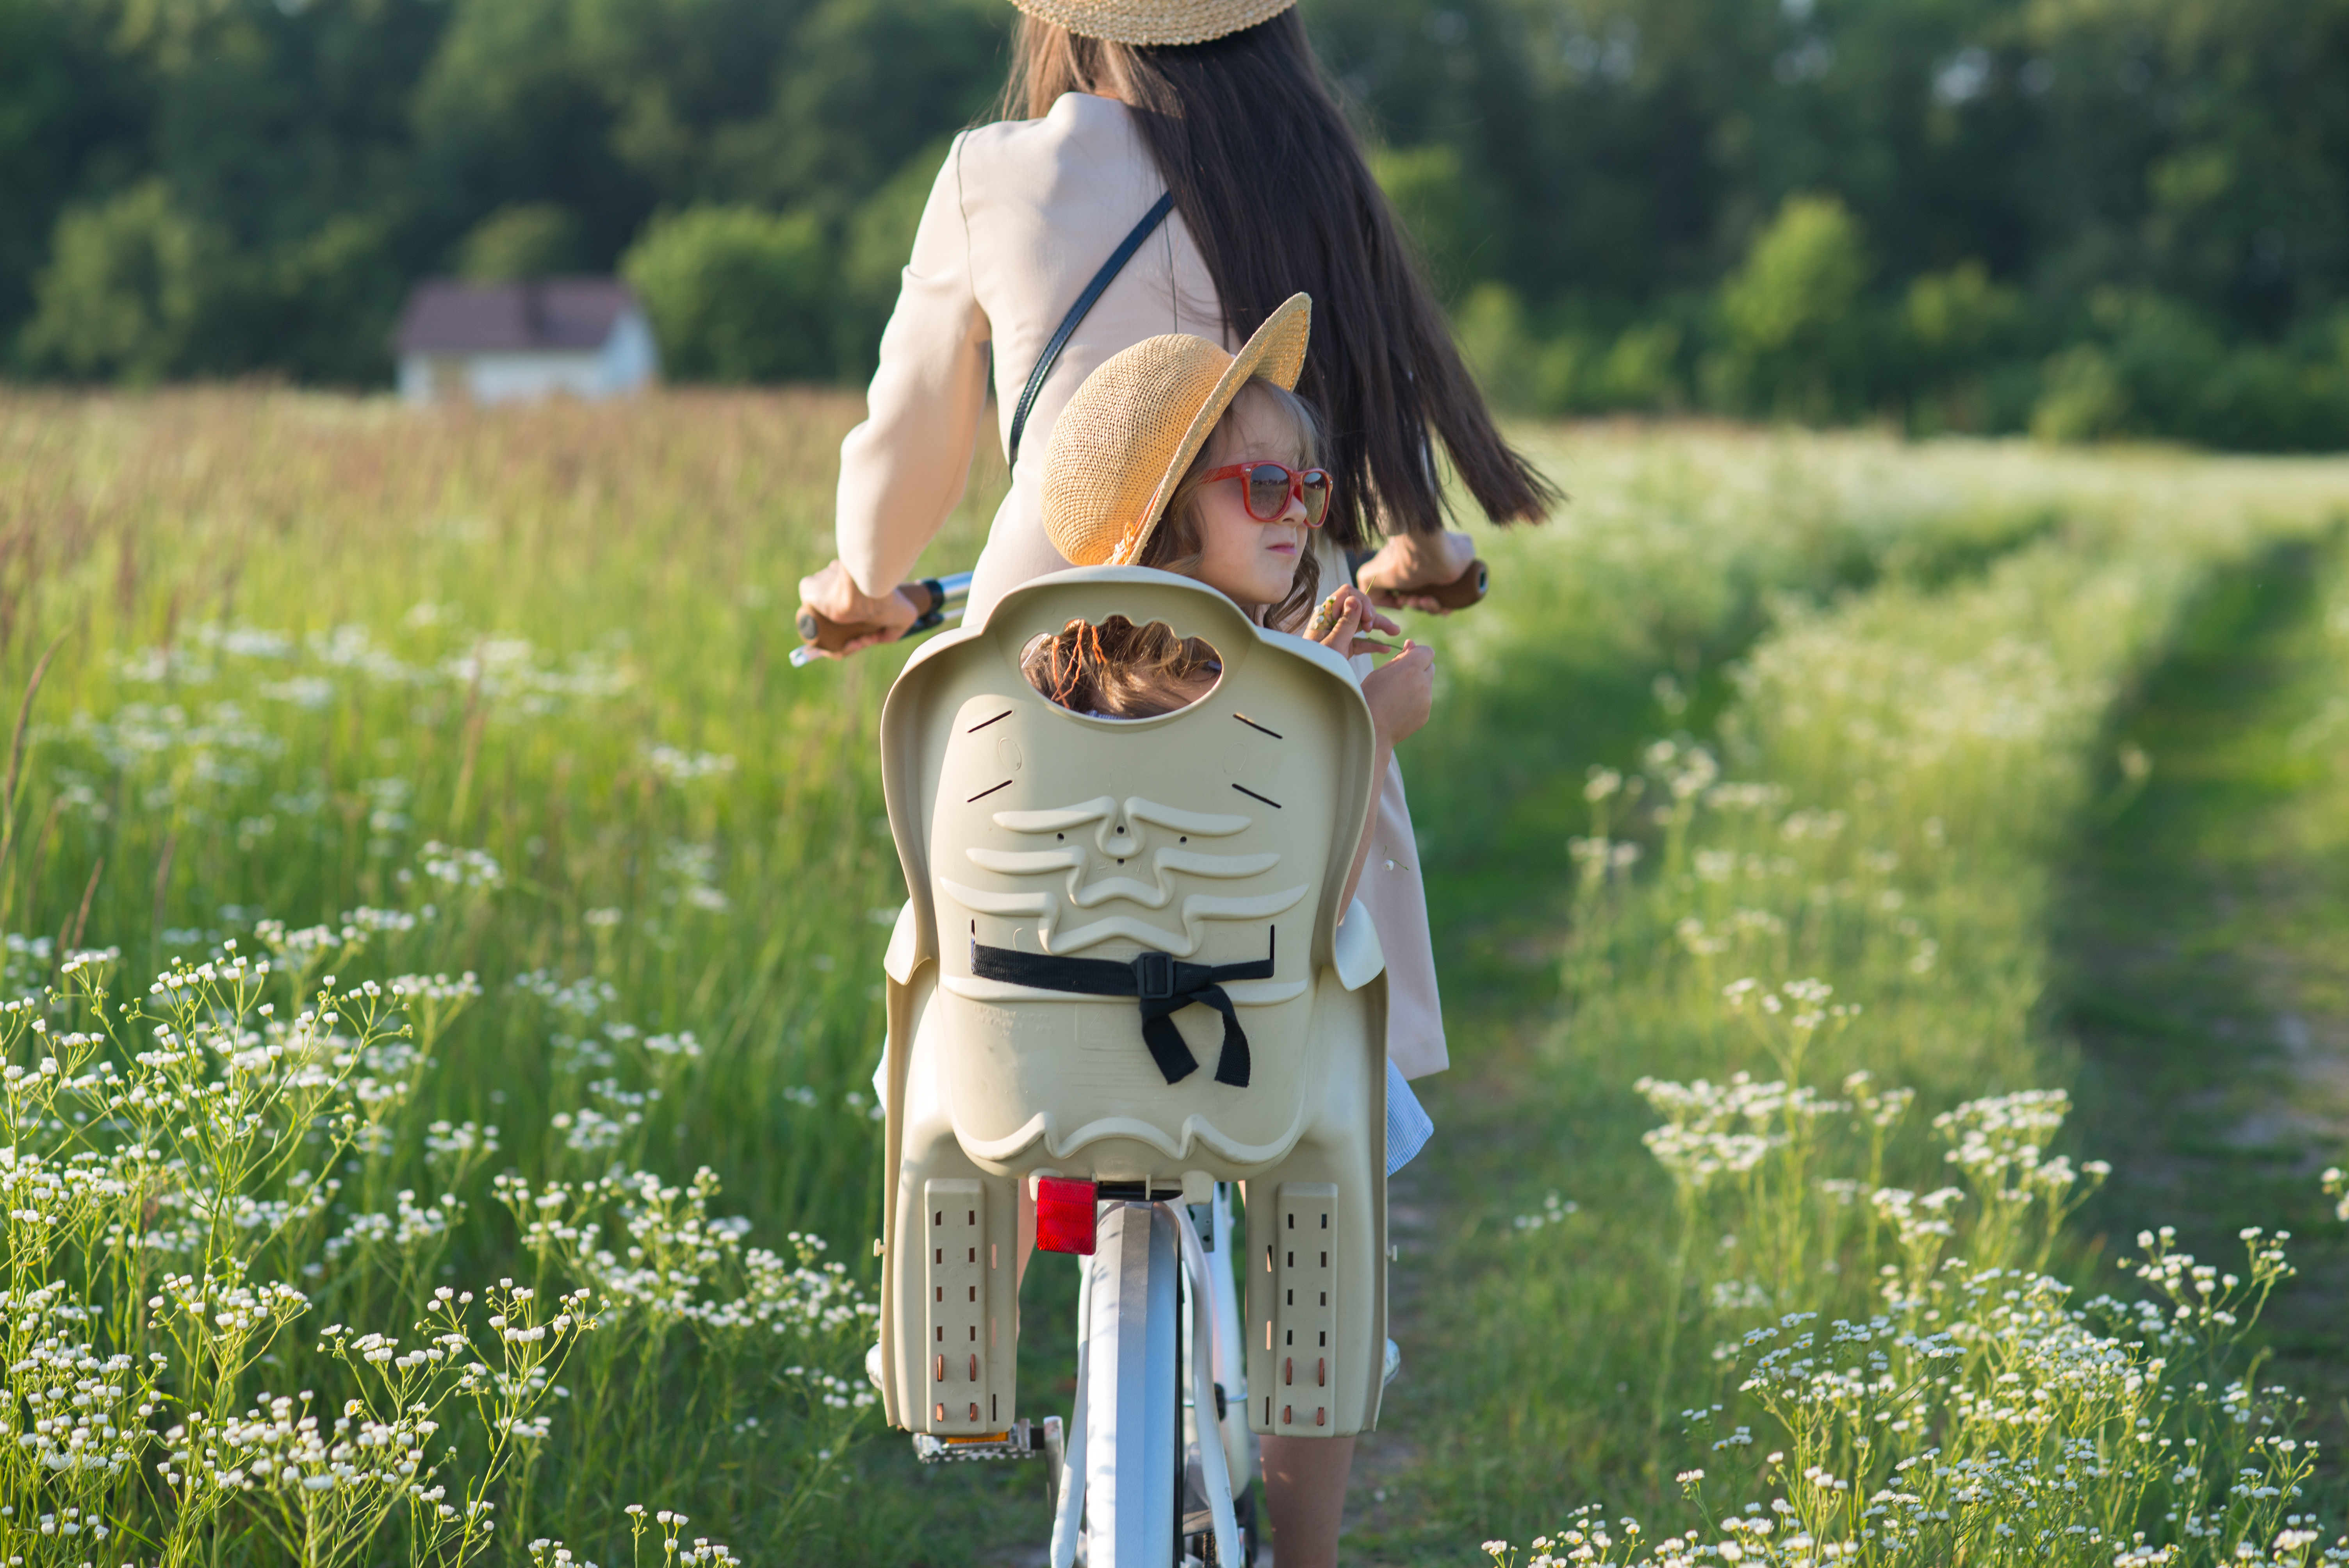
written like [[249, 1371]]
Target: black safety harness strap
[[1077, 312], [1162, 983]]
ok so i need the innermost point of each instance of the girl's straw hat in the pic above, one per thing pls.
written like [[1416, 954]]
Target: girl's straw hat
[[1130, 432], [1154, 21]]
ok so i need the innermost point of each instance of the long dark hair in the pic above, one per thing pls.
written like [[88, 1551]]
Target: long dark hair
[[1273, 187]]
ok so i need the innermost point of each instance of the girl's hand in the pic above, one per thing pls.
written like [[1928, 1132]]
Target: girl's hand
[[1341, 618], [1400, 693]]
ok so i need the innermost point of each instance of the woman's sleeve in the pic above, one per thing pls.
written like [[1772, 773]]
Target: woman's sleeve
[[903, 469]]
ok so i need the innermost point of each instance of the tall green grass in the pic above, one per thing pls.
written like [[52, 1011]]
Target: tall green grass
[[1845, 872], [503, 699], [302, 638], [488, 717]]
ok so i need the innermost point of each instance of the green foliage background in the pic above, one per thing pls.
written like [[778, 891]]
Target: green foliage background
[[2085, 218]]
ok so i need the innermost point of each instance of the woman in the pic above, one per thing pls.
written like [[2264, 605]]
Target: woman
[[1025, 210], [1222, 104]]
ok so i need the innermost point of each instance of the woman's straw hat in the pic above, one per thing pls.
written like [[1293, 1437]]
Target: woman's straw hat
[[1130, 432], [1154, 21]]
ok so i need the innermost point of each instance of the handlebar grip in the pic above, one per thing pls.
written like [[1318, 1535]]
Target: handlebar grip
[[1462, 591], [1457, 595], [817, 631], [1465, 589]]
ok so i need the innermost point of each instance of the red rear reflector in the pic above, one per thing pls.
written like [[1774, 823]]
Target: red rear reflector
[[1065, 1213]]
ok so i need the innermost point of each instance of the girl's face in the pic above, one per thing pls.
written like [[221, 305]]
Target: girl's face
[[1253, 562]]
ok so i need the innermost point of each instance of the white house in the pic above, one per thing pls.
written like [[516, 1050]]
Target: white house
[[503, 343]]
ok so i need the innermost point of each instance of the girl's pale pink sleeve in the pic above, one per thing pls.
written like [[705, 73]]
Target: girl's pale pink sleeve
[[903, 471]]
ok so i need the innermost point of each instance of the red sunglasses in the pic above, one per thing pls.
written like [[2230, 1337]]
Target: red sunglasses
[[1270, 487]]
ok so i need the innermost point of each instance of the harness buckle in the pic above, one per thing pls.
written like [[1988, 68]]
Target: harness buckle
[[1154, 976]]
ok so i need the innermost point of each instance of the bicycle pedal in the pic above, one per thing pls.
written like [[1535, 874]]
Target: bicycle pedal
[[1024, 1439]]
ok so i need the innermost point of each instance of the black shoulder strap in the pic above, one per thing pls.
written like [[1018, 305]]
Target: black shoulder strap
[[1085, 302]]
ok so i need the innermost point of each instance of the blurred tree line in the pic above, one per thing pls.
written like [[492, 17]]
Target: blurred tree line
[[2084, 218]]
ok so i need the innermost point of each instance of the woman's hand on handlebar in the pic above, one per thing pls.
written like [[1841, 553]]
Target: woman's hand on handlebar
[[832, 594], [1411, 560]]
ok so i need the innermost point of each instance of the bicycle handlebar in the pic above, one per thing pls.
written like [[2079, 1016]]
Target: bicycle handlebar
[[944, 597]]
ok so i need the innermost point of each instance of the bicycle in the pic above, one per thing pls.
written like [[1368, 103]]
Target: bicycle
[[1015, 1057]]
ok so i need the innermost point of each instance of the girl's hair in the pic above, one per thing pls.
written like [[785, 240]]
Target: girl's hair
[[1273, 188], [1139, 672]]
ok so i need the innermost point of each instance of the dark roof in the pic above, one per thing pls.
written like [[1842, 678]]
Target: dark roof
[[444, 315]]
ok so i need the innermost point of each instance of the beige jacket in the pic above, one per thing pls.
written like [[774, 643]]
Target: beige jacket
[[1022, 216]]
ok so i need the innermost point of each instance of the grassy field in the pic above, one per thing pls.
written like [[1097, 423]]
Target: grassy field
[[1916, 757], [1786, 756]]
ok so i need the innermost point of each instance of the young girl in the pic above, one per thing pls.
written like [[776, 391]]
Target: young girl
[[1210, 533], [1178, 456]]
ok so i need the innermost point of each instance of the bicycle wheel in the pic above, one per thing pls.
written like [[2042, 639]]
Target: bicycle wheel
[[1133, 1418]]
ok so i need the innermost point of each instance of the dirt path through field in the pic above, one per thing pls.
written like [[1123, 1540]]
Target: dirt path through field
[[2204, 954]]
